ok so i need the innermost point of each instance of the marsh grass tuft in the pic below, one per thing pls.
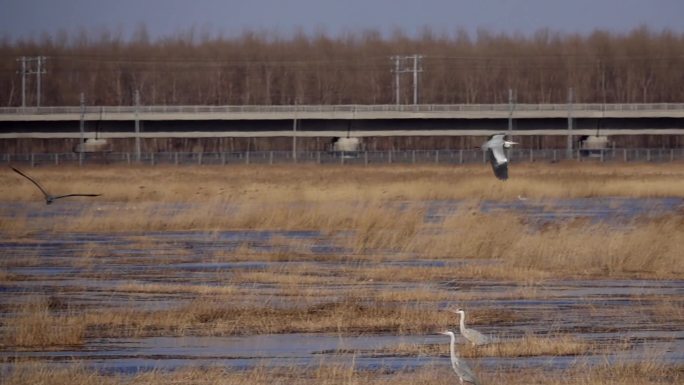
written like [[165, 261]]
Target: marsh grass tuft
[[37, 326], [532, 345]]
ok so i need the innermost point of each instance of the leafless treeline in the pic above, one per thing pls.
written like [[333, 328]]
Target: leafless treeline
[[640, 66]]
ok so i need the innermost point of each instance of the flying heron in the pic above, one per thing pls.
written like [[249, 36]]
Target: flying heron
[[463, 371], [497, 157], [51, 198], [476, 338]]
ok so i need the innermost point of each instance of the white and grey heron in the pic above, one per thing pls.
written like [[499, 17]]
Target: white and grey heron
[[476, 338], [463, 371], [48, 197], [494, 147]]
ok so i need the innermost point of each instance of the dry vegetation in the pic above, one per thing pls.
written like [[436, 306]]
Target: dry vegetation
[[36, 325], [377, 215], [381, 210], [527, 346], [264, 185], [647, 373], [211, 316]]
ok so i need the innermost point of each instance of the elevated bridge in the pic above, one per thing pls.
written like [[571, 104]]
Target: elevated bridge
[[540, 122]]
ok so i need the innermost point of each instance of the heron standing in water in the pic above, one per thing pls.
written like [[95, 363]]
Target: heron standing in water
[[463, 371], [476, 338]]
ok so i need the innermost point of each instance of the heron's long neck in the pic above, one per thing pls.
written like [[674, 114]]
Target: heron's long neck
[[462, 324], [453, 349]]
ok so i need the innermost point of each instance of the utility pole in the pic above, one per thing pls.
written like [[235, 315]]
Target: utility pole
[[23, 80], [136, 96], [568, 149], [400, 66], [39, 72], [294, 133], [396, 79], [25, 70], [511, 108], [416, 58], [81, 127]]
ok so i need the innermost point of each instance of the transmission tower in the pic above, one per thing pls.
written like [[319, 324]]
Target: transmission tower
[[28, 68], [407, 64]]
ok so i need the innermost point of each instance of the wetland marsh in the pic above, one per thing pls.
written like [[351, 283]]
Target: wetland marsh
[[327, 275]]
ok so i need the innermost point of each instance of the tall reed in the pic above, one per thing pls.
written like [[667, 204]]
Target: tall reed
[[37, 326]]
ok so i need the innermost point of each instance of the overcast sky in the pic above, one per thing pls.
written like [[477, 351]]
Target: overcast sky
[[30, 18]]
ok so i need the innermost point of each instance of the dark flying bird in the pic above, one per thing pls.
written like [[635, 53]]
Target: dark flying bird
[[51, 198], [495, 152]]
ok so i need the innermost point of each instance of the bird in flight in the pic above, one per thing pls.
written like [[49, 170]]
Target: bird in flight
[[48, 197], [497, 157]]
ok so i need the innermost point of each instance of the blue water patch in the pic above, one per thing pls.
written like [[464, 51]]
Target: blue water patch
[[598, 209]]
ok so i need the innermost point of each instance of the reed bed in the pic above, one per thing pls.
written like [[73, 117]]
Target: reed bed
[[308, 183], [527, 346], [532, 345], [212, 312], [515, 249], [160, 288], [380, 210], [36, 325], [648, 373], [212, 316]]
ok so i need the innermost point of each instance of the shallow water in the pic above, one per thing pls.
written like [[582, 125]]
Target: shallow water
[[87, 271]]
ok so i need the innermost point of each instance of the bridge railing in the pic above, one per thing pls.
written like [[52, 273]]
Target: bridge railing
[[339, 108], [359, 158]]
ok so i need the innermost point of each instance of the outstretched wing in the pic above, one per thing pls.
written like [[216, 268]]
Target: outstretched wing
[[76, 195], [32, 181], [499, 162]]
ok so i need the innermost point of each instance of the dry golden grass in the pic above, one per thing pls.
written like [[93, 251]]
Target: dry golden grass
[[649, 247], [648, 373], [212, 316], [160, 288], [527, 346], [35, 326], [532, 345], [362, 201], [307, 183]]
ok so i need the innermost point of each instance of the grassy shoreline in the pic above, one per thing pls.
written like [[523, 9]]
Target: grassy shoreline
[[334, 183], [647, 373]]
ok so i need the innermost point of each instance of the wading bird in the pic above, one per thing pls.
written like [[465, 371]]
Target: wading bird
[[476, 338], [494, 148], [463, 371], [51, 198]]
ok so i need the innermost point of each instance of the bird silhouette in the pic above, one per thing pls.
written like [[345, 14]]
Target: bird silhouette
[[48, 197]]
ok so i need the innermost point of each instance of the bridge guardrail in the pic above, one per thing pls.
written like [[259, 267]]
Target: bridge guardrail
[[342, 108]]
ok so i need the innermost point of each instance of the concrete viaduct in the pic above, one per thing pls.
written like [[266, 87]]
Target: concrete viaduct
[[320, 121]]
